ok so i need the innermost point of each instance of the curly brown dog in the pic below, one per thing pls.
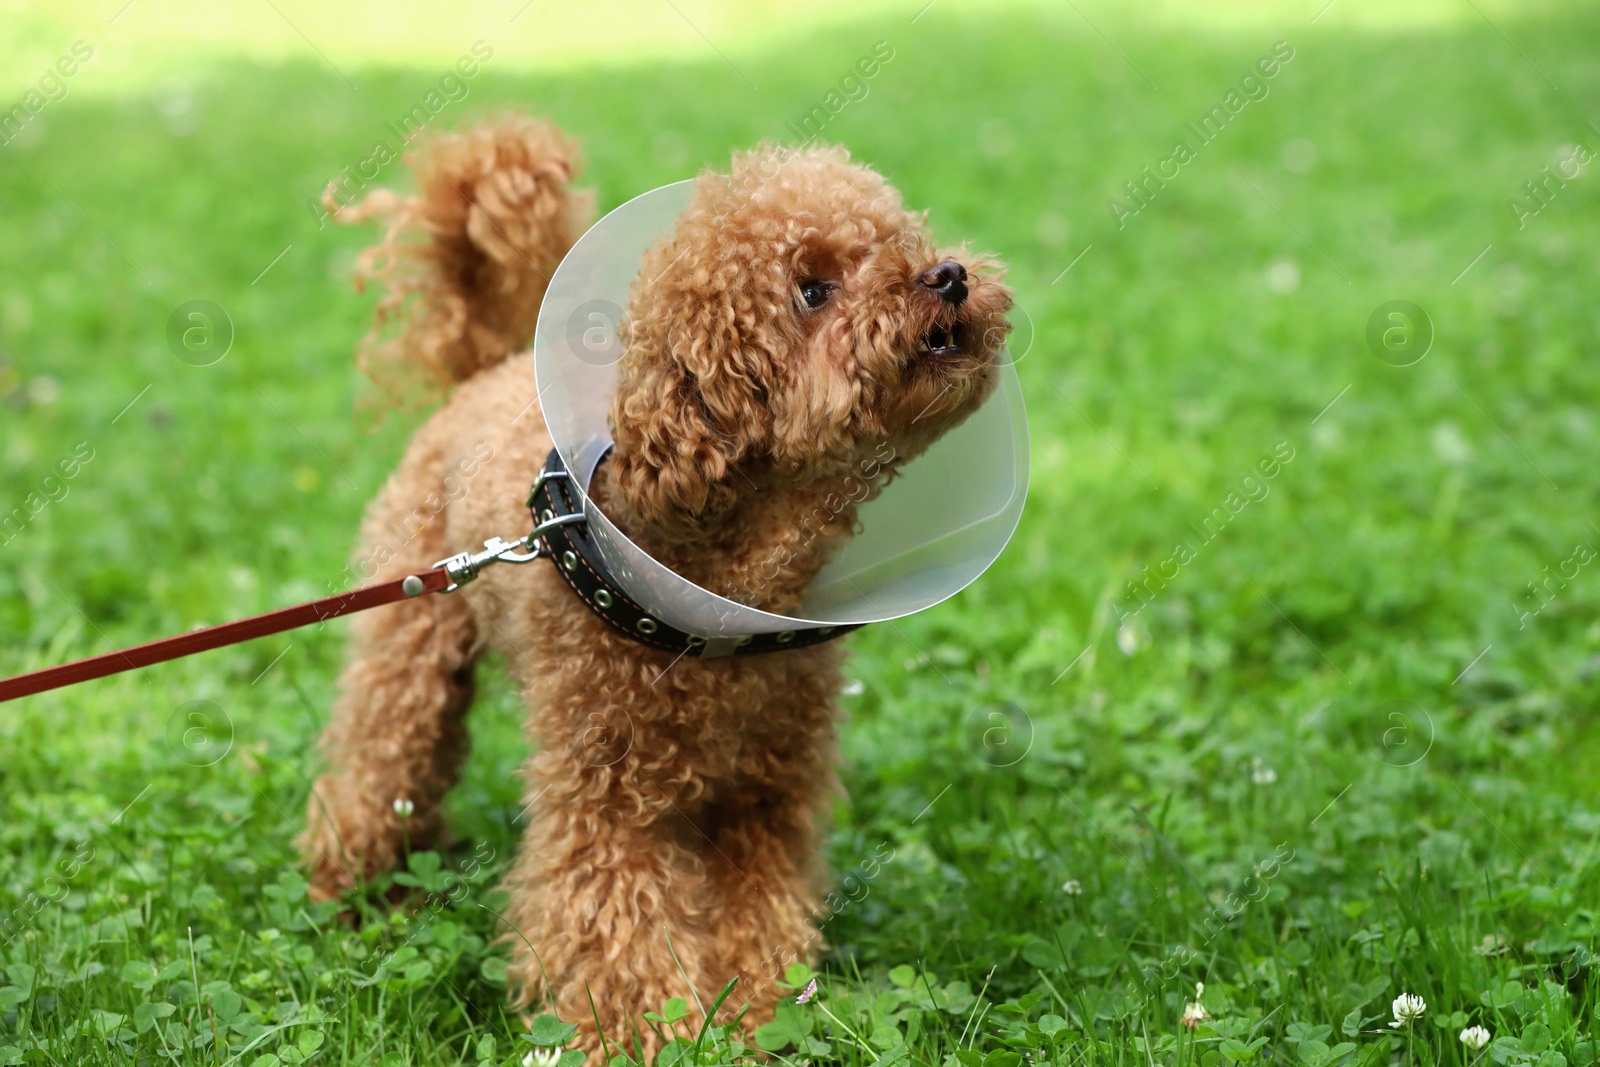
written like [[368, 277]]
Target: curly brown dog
[[796, 322]]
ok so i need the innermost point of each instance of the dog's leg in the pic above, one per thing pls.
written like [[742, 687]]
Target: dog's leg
[[619, 856], [398, 731], [398, 734], [767, 871], [597, 900], [768, 897], [608, 871]]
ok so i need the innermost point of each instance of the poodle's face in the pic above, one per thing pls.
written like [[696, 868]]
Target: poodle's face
[[797, 320]]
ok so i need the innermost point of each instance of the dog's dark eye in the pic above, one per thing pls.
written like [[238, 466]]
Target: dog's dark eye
[[815, 293]]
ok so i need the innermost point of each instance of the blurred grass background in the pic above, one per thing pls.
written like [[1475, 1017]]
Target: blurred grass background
[[1175, 353]]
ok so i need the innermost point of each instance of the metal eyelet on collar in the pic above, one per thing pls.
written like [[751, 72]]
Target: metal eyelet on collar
[[785, 637], [646, 625], [569, 560], [602, 597]]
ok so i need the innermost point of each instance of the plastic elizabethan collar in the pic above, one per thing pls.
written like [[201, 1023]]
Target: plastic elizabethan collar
[[939, 525]]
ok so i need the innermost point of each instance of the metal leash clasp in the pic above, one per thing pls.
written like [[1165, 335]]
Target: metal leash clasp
[[465, 566]]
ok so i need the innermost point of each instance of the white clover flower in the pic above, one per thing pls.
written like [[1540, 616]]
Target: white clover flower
[[1194, 1011], [1129, 638], [1072, 887], [1475, 1037], [44, 390], [1408, 1008], [404, 807], [1260, 773], [541, 1057]]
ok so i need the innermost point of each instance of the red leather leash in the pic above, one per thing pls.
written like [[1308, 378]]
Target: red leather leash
[[228, 633], [446, 576]]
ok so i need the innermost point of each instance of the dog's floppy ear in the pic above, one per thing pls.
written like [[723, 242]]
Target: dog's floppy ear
[[674, 455], [691, 403]]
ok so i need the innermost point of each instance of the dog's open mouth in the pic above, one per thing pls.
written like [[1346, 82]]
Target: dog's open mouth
[[941, 341]]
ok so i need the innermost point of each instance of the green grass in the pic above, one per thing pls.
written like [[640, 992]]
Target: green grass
[[1279, 778]]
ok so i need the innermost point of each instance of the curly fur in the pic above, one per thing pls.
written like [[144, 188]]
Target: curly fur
[[664, 798], [466, 260]]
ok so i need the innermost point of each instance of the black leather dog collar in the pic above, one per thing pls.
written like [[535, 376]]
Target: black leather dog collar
[[578, 561]]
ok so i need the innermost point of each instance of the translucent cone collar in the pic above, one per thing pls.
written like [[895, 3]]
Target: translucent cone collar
[[930, 534]]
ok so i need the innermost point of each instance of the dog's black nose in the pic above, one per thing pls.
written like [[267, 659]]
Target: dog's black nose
[[946, 281]]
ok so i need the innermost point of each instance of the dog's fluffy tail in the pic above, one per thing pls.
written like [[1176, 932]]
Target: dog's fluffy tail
[[465, 261]]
